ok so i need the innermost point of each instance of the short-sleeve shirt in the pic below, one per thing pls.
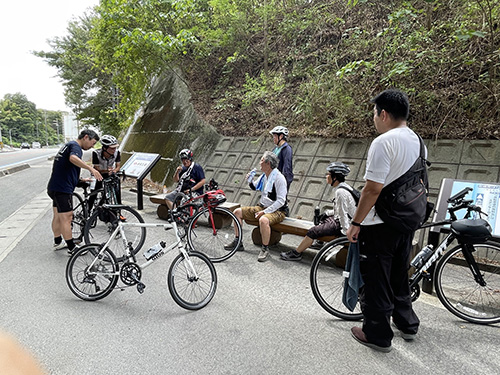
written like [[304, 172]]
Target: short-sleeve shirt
[[65, 174], [104, 163], [391, 154], [197, 174]]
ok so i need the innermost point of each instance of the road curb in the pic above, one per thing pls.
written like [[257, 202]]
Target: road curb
[[14, 169]]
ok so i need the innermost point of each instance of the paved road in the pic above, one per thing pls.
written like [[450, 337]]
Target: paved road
[[262, 320]]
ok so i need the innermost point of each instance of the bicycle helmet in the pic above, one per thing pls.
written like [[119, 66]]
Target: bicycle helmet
[[338, 167], [108, 140], [186, 154], [280, 130]]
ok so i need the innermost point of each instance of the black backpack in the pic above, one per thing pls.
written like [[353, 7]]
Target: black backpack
[[403, 203], [356, 194]]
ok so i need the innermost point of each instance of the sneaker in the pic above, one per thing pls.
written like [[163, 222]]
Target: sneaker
[[263, 255], [230, 246], [360, 337], [72, 251], [291, 255], [404, 335], [60, 246], [317, 245]]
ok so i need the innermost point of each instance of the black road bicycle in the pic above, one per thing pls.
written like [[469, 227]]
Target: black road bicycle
[[466, 277]]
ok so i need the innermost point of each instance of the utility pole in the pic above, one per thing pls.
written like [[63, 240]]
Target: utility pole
[[46, 131], [56, 123]]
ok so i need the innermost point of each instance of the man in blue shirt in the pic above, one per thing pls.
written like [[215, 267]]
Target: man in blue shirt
[[189, 175], [65, 175], [284, 153]]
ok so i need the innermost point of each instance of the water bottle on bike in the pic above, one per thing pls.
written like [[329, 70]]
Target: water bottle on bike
[[422, 256], [154, 250]]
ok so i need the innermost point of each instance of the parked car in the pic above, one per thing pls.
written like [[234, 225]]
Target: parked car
[[25, 145], [35, 145]]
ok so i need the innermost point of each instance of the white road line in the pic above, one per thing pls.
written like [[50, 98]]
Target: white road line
[[16, 226]]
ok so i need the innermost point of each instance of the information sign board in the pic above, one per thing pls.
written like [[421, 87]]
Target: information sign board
[[139, 164]]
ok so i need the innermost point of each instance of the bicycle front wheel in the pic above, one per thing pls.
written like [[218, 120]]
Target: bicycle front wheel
[[460, 293], [80, 215], [192, 281], [327, 280], [102, 223], [215, 235], [94, 282]]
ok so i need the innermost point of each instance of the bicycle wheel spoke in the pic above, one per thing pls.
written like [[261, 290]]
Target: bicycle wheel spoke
[[461, 294]]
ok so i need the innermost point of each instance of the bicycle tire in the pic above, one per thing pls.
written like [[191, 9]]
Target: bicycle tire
[[211, 237], [327, 280], [95, 285], [103, 222], [187, 292], [79, 218], [458, 291]]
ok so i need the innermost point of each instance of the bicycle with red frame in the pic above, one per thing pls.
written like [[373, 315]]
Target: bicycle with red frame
[[213, 230]]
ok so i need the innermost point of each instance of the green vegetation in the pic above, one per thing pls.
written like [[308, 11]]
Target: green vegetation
[[22, 122], [311, 65]]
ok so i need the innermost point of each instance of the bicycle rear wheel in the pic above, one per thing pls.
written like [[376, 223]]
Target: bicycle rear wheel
[[91, 283], [104, 221], [187, 290], [327, 280], [80, 215], [211, 237], [460, 293]]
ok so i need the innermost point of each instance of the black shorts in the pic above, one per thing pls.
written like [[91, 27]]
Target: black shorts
[[62, 201], [329, 227]]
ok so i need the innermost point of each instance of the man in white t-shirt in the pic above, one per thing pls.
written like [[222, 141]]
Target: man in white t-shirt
[[384, 251]]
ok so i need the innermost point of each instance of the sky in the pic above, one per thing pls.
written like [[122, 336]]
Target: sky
[[26, 26]]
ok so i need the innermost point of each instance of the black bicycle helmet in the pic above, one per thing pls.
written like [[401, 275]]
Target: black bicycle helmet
[[108, 140], [186, 154], [338, 167]]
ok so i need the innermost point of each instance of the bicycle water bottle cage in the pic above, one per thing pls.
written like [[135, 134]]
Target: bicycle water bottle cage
[[471, 231]]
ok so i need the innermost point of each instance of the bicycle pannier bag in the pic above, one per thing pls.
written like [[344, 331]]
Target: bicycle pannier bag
[[403, 203]]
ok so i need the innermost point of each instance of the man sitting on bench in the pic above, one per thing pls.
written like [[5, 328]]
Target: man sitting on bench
[[272, 204], [332, 222]]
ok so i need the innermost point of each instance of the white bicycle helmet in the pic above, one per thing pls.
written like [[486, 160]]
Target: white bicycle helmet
[[280, 130], [186, 154], [338, 167], [108, 140]]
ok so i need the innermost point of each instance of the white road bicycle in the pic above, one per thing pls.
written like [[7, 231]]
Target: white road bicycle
[[93, 271]]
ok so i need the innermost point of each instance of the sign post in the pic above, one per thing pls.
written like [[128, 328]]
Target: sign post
[[138, 166]]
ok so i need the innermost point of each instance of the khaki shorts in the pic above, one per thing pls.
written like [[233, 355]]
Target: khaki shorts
[[248, 214]]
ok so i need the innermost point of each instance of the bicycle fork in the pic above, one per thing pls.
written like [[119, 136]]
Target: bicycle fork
[[191, 273], [467, 250]]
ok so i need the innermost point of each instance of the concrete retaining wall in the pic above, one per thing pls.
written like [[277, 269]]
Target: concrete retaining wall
[[235, 156]]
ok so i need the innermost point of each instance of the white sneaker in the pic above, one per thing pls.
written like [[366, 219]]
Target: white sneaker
[[62, 245], [263, 255]]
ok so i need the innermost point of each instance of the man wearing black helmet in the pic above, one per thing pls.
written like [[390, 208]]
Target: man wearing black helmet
[[189, 175], [332, 222], [284, 153]]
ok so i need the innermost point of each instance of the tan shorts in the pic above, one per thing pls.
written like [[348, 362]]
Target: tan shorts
[[248, 214]]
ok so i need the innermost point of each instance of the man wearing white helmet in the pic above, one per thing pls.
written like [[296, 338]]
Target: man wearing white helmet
[[284, 153], [189, 176], [107, 160], [332, 222]]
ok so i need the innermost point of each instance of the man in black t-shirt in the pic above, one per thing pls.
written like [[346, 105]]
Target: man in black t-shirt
[[62, 183]]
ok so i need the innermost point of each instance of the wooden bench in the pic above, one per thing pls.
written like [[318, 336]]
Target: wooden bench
[[290, 225], [162, 210], [296, 227]]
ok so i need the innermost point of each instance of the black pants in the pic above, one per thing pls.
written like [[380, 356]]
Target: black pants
[[385, 255]]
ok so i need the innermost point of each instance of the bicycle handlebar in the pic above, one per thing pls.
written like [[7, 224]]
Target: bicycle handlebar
[[459, 196]]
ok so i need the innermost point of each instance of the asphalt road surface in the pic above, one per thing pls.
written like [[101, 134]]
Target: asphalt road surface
[[262, 320]]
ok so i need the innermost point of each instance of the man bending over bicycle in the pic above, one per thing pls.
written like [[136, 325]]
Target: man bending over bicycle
[[272, 204], [190, 178]]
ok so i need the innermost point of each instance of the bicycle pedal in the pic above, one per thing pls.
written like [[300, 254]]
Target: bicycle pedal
[[141, 287]]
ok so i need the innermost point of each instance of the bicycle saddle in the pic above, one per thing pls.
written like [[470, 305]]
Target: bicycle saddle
[[471, 231]]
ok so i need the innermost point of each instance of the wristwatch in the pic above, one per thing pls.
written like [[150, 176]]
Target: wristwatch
[[355, 224]]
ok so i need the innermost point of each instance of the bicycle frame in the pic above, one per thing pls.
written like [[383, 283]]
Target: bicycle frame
[[120, 229]]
